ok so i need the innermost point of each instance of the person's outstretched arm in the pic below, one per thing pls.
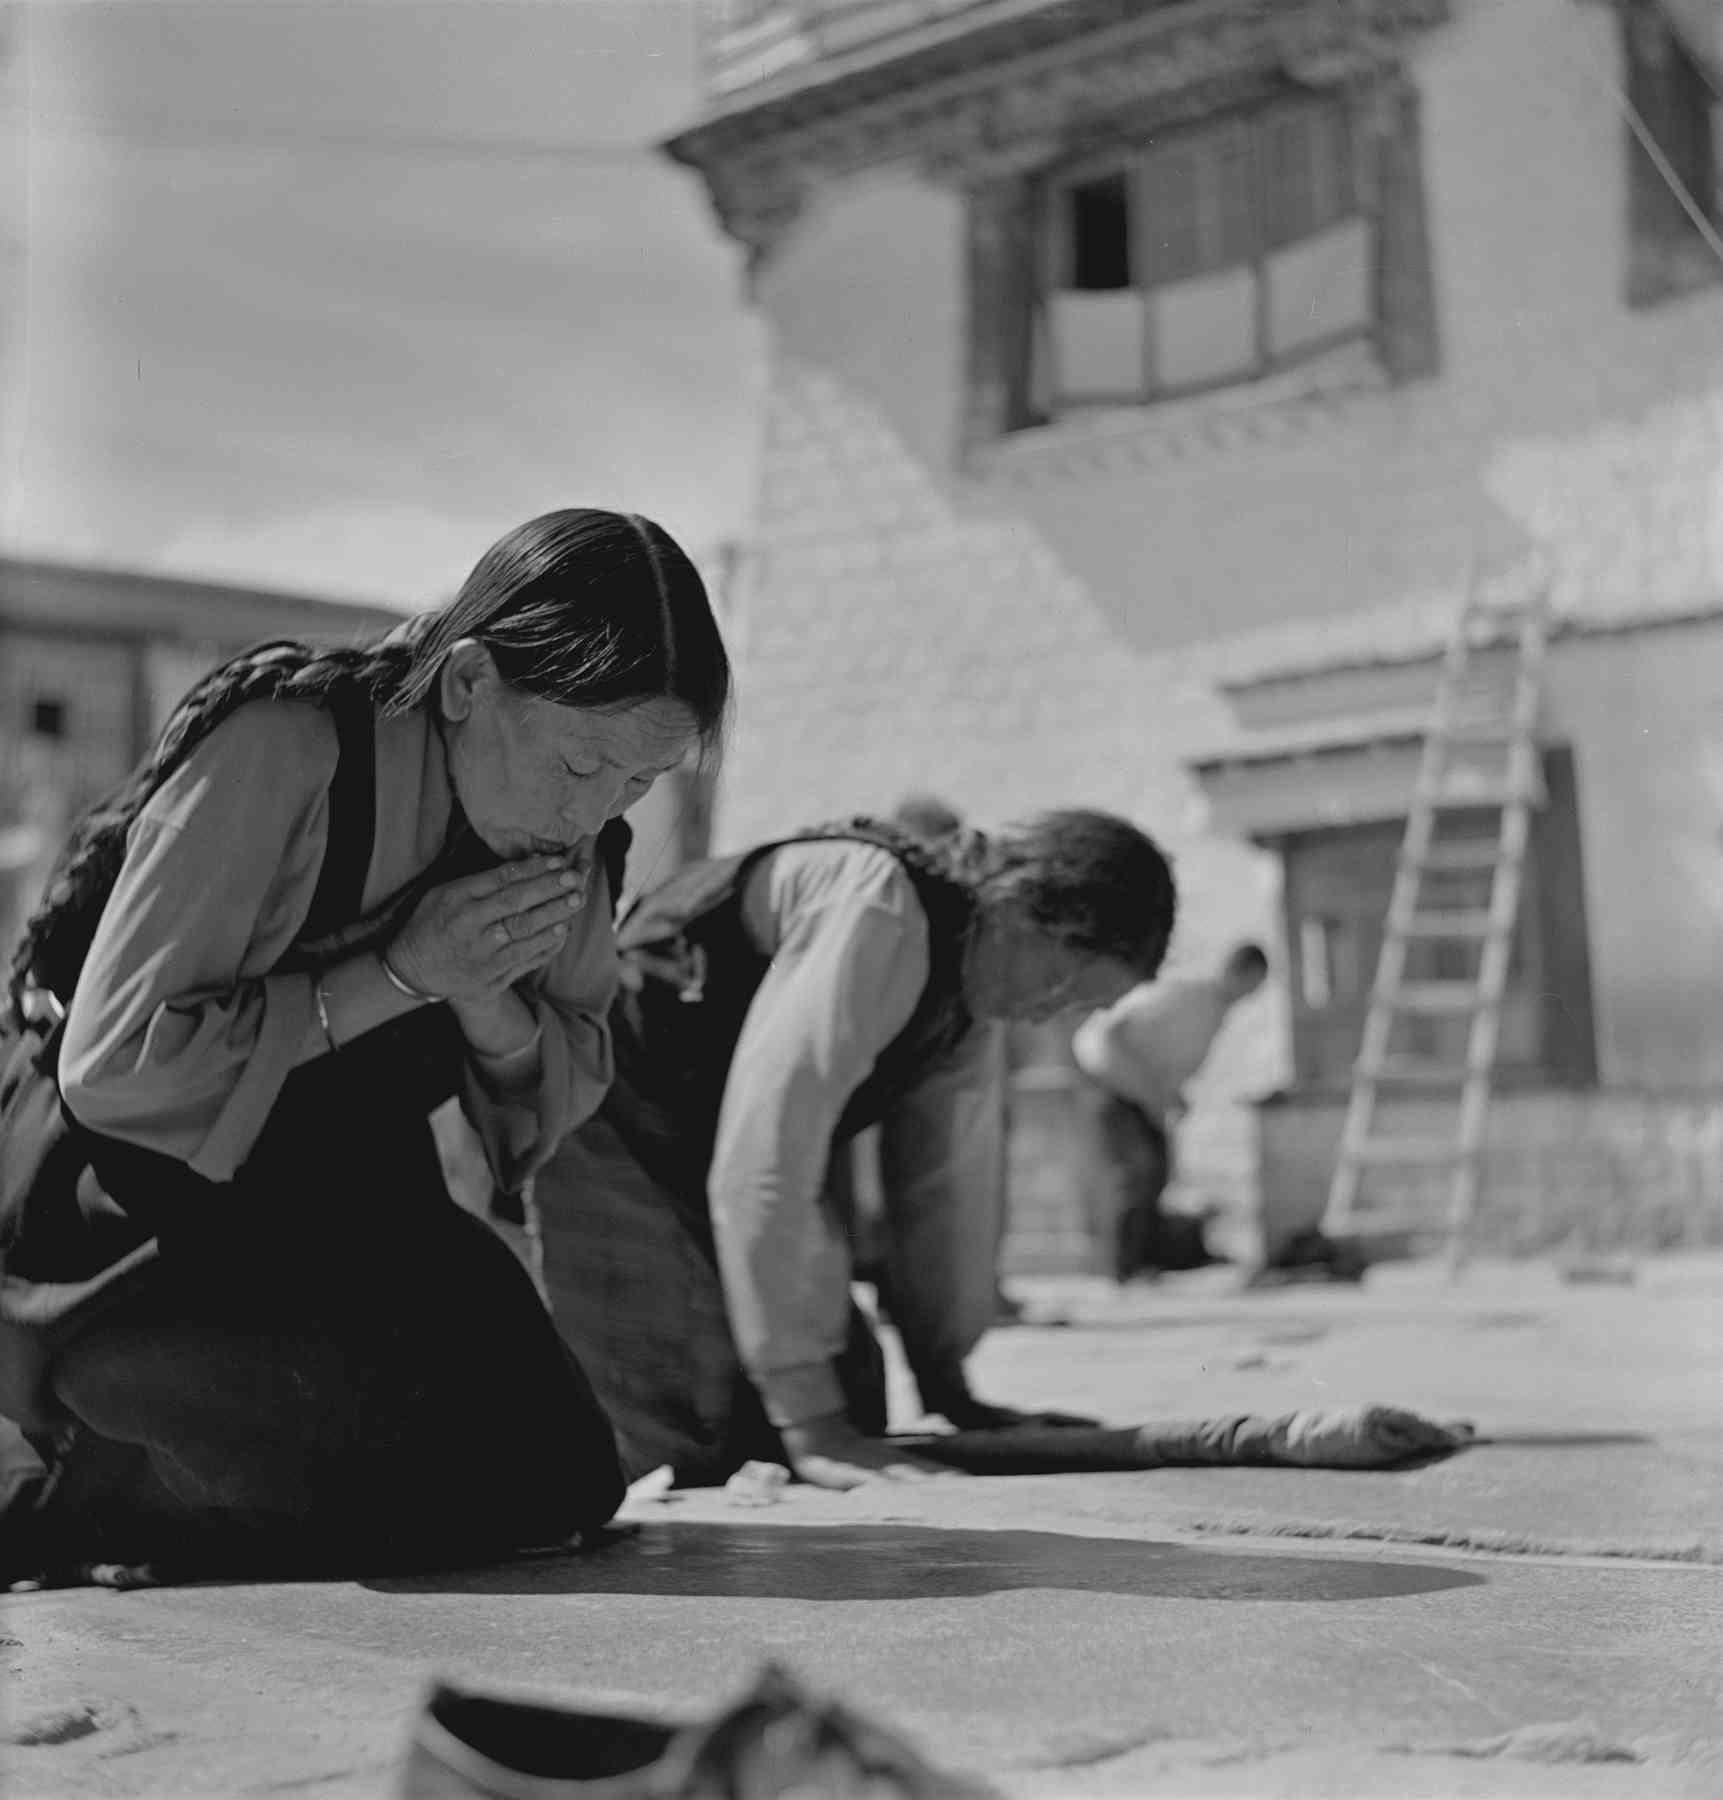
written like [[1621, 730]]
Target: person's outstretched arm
[[942, 1171], [846, 974]]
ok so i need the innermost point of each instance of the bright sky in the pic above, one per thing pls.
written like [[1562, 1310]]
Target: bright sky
[[287, 319]]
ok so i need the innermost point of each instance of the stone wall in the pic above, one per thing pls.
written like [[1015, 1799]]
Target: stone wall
[[1591, 1171], [1047, 624]]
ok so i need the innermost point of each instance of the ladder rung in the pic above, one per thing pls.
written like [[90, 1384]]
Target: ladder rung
[[1441, 925], [1415, 1072], [1434, 997], [1452, 793], [1502, 730], [1405, 1152], [1366, 1222], [1462, 858], [1486, 631]]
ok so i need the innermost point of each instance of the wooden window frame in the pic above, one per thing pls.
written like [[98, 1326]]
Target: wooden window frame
[[1249, 129], [1006, 248], [1552, 951]]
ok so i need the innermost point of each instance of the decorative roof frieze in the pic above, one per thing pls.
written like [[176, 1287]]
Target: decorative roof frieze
[[1013, 113]]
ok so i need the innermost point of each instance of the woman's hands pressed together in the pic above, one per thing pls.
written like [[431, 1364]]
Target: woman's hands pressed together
[[470, 940]]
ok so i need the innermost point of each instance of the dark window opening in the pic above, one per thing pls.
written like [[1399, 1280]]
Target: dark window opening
[[1677, 99], [1100, 227], [48, 718]]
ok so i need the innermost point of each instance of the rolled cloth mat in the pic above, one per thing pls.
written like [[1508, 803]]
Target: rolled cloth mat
[[1351, 1437]]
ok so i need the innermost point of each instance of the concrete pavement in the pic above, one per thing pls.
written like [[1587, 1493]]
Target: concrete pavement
[[1206, 1632]]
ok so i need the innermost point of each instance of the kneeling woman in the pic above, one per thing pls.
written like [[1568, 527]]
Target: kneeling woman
[[346, 887], [774, 1005]]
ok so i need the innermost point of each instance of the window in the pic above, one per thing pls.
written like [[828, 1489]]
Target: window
[[1215, 255], [48, 717], [1316, 935], [1675, 91], [1336, 892], [1191, 256]]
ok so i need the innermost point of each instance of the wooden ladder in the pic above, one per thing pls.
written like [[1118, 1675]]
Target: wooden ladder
[[1473, 718]]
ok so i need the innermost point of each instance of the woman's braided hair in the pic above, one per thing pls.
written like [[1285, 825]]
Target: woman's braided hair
[[1088, 879], [59, 932], [957, 857], [581, 607]]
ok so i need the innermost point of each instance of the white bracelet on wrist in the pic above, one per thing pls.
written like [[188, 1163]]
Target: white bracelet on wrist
[[402, 986], [320, 999], [511, 1056]]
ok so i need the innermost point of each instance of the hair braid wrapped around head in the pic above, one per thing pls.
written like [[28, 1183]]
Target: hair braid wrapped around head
[[57, 936], [962, 858]]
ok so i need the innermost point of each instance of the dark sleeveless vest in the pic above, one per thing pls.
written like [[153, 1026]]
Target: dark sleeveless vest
[[690, 973]]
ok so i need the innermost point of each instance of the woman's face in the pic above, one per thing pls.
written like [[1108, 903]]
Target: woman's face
[[1017, 972], [537, 778]]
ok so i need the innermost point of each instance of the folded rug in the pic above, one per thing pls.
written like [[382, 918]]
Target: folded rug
[[1349, 1437]]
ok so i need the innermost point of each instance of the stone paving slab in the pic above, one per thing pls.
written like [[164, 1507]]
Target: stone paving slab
[[1039, 1656], [1644, 1501], [1072, 1635], [1604, 1406]]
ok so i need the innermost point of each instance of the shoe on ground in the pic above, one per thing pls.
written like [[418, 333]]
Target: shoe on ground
[[778, 1742]]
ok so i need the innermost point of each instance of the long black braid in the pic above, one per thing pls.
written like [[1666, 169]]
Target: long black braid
[[1090, 880], [57, 937]]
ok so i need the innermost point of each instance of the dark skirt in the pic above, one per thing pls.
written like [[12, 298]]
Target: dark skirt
[[629, 1263], [327, 1363], [1139, 1155]]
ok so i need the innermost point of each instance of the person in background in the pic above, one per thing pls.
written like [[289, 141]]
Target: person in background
[[1141, 1052], [774, 1005]]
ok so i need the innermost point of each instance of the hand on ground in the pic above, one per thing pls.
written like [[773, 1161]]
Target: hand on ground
[[831, 1453]]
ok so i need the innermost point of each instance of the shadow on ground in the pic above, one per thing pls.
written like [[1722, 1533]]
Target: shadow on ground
[[1562, 1440], [1289, 1327], [903, 1562]]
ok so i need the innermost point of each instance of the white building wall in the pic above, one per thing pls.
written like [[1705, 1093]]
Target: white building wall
[[1047, 627], [1042, 631], [1646, 716]]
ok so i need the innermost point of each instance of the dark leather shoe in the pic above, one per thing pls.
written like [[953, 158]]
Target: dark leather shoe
[[776, 1742]]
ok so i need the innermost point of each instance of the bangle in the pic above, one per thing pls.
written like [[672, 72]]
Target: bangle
[[321, 1000], [526, 1049], [403, 986]]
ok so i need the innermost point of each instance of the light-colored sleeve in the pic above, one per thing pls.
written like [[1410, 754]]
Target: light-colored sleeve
[[177, 1038], [942, 1173], [1110, 1048], [850, 965], [571, 1002]]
